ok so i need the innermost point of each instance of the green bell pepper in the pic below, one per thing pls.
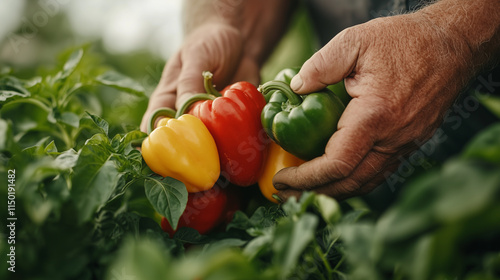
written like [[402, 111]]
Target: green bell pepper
[[300, 124], [287, 74], [340, 92]]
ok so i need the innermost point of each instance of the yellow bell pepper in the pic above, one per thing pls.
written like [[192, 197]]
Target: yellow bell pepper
[[183, 149], [277, 159]]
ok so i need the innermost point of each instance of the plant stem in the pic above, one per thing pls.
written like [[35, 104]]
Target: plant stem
[[68, 141], [339, 263], [160, 112], [137, 143], [124, 188], [34, 101], [325, 261], [293, 98], [195, 98], [208, 83]]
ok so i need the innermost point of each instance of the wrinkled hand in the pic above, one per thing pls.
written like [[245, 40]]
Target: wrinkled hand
[[216, 48], [403, 74]]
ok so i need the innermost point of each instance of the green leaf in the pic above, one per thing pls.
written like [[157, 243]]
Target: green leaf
[[290, 240], [35, 171], [7, 142], [99, 139], [51, 148], [6, 94], [5, 134], [459, 185], [99, 123], [293, 207], [116, 141], [414, 213], [70, 65], [70, 119], [485, 146], [328, 208], [227, 264], [491, 102], [358, 239], [140, 259], [353, 216], [168, 197], [39, 149], [33, 83], [94, 180], [222, 244], [67, 159], [240, 221], [121, 82], [12, 87], [142, 207], [130, 138], [131, 164], [87, 129], [31, 101], [189, 235], [135, 160], [261, 218], [260, 245]]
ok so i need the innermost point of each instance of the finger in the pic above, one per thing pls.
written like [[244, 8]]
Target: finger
[[248, 71], [164, 100], [170, 74], [218, 54], [360, 183], [286, 194], [190, 79], [363, 180], [370, 166], [335, 61], [164, 93], [226, 53], [347, 147]]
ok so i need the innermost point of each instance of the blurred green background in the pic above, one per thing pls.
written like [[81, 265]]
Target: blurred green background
[[133, 37]]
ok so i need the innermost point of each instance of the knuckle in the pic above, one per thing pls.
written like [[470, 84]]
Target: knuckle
[[347, 188], [348, 34], [340, 169]]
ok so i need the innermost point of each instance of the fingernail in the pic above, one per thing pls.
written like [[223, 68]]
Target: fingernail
[[280, 186], [296, 82]]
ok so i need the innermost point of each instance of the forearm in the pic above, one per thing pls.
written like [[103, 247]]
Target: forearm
[[260, 22], [474, 27]]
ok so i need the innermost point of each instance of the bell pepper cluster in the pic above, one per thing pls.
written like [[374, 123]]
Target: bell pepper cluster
[[300, 124], [233, 119], [241, 133]]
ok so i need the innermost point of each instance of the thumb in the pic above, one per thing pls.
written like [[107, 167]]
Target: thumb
[[332, 63]]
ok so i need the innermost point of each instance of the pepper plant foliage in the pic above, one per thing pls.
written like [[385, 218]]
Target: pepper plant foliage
[[70, 171], [86, 203]]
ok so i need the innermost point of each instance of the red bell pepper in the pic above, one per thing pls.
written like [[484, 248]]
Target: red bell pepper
[[204, 211], [233, 119]]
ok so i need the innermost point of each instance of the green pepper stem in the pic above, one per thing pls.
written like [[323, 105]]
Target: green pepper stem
[[268, 95], [293, 98], [137, 143], [193, 99], [160, 112], [208, 84]]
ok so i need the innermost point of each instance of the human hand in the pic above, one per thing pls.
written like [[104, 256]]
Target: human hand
[[217, 48], [403, 73]]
